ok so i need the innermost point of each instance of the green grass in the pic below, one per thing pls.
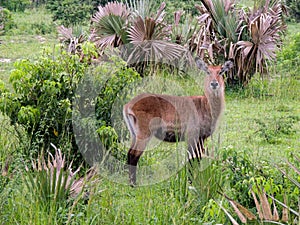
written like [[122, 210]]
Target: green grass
[[171, 201], [20, 47], [26, 40], [31, 22]]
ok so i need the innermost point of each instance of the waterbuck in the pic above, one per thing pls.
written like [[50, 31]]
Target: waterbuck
[[176, 118]]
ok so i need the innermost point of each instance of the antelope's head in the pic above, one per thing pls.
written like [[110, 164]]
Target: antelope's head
[[214, 82]]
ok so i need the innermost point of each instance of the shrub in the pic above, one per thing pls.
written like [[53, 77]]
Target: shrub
[[6, 20], [288, 58], [15, 5], [94, 108], [41, 100], [69, 12], [42, 28], [43, 93], [294, 9]]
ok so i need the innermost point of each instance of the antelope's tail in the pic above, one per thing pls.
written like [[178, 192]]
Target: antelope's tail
[[130, 120]]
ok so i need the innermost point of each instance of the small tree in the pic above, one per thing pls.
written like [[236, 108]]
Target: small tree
[[41, 101]]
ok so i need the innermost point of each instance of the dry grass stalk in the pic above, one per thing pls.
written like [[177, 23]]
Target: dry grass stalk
[[233, 221], [258, 206], [265, 205]]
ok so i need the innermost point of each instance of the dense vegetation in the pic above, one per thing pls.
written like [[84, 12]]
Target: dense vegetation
[[62, 94]]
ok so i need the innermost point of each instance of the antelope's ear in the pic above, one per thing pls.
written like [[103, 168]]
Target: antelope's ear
[[226, 67], [201, 64]]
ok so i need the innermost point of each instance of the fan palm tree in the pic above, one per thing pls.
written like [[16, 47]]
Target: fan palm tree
[[263, 28], [52, 182], [109, 25], [150, 42], [249, 36]]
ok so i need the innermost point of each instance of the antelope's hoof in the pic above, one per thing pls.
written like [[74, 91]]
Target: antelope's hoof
[[132, 183]]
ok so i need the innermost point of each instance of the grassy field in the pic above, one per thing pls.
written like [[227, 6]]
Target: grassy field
[[257, 127]]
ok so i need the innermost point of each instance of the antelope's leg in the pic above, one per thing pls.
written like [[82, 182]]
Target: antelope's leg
[[194, 151], [195, 147], [201, 145], [136, 150]]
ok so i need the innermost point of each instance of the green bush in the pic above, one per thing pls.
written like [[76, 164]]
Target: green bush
[[15, 5], [41, 100], [42, 28], [108, 84], [70, 12], [288, 59], [43, 96], [294, 9], [6, 20]]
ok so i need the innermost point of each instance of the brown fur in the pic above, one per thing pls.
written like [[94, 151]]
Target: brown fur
[[175, 118]]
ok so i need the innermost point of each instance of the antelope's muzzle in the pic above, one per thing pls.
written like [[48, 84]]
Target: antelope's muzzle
[[214, 84]]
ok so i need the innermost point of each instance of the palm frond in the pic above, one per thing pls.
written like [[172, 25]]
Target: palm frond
[[71, 41], [250, 36], [185, 34], [157, 51], [142, 8], [109, 25], [284, 205], [232, 220], [149, 28], [137, 32], [52, 182], [111, 8]]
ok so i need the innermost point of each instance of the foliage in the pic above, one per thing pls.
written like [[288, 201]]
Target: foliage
[[4, 176], [31, 22], [69, 12], [50, 189], [294, 9], [51, 185], [38, 3], [270, 199], [53, 181], [288, 59], [143, 39], [41, 101], [206, 180], [150, 47], [239, 170], [187, 6], [6, 20], [41, 28], [118, 82], [109, 24], [272, 129], [15, 5], [102, 88], [249, 36], [73, 44]]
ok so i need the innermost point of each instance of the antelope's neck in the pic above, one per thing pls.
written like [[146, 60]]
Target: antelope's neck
[[217, 105]]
